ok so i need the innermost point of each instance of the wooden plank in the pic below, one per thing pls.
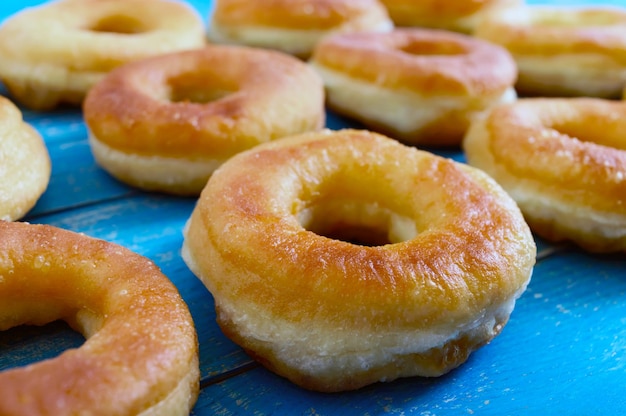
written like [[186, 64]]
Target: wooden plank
[[563, 351]]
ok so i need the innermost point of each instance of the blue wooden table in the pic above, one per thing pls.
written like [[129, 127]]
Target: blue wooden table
[[563, 351]]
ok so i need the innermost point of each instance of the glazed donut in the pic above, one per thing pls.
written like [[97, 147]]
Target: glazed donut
[[458, 16], [564, 163], [293, 26], [165, 123], [354, 259], [55, 52], [24, 163], [562, 51], [140, 355], [417, 85]]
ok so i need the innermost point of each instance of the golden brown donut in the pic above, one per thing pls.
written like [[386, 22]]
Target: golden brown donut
[[562, 51], [55, 52], [293, 26], [456, 15], [140, 355], [564, 162], [165, 123], [417, 85], [439, 254], [24, 163]]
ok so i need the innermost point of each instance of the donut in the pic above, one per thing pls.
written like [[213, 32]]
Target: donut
[[458, 16], [562, 50], [53, 53], [140, 355], [292, 26], [166, 123], [563, 161], [24, 163], [355, 259], [420, 86]]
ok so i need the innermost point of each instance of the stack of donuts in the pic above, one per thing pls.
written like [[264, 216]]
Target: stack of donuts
[[336, 258]]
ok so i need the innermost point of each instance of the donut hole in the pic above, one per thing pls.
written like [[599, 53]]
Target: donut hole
[[198, 88], [119, 23], [45, 326], [28, 344], [425, 47], [360, 223]]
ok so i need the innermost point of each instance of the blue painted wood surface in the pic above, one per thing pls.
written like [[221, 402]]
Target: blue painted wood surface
[[563, 351]]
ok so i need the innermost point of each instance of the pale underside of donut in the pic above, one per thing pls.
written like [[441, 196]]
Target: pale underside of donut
[[406, 115], [298, 42], [560, 221], [570, 75], [181, 176], [45, 84]]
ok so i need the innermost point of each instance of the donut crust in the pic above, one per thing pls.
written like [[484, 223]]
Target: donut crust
[[55, 52], [331, 315], [419, 86], [24, 164], [563, 161], [562, 51], [145, 135], [140, 355]]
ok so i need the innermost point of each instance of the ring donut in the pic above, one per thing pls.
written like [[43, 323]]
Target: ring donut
[[55, 52], [562, 50], [24, 163], [417, 85], [165, 123], [140, 355], [354, 259], [292, 26], [564, 162], [458, 16]]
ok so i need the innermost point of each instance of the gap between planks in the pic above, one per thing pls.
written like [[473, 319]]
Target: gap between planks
[[211, 380]]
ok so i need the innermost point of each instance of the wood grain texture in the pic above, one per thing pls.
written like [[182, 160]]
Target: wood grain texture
[[562, 352]]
